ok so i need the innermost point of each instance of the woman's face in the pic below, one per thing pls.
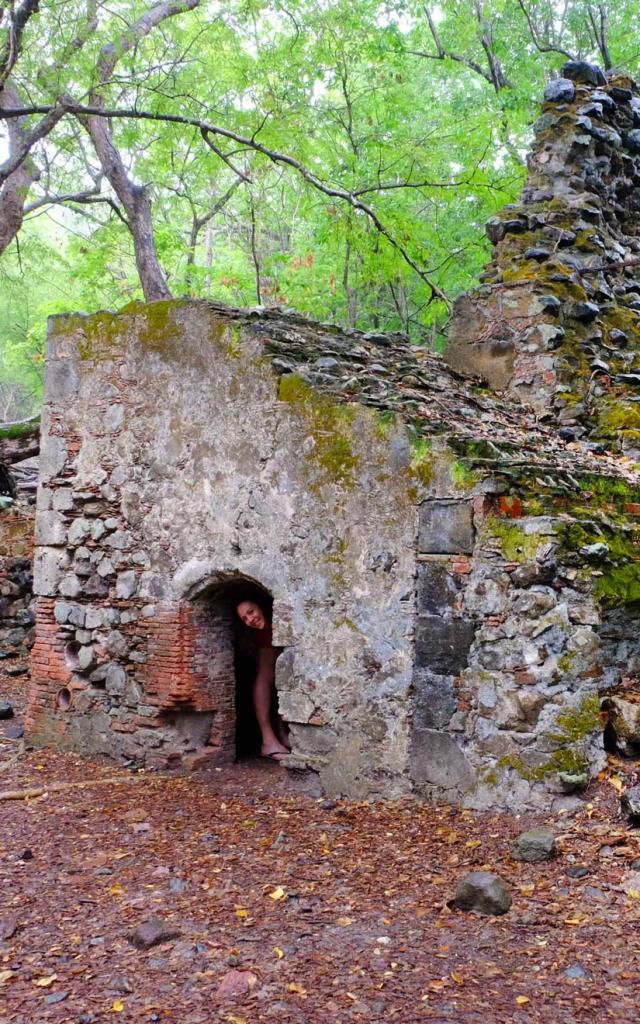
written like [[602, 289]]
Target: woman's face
[[251, 614]]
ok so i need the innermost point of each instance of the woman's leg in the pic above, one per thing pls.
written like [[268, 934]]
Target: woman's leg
[[263, 688]]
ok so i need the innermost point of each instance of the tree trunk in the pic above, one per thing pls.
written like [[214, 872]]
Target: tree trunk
[[137, 206], [13, 194]]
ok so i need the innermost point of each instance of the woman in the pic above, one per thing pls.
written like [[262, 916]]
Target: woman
[[274, 740]]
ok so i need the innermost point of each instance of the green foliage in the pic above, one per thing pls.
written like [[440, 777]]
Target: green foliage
[[433, 146]]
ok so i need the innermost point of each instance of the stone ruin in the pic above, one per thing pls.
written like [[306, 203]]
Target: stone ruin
[[18, 473], [451, 546]]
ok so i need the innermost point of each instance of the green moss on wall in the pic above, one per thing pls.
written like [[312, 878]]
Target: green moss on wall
[[616, 571], [515, 544], [575, 724], [421, 465], [464, 477], [329, 425]]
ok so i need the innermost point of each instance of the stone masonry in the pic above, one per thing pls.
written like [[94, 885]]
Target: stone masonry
[[454, 570]]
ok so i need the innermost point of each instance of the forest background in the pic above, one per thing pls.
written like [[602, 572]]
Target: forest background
[[338, 157]]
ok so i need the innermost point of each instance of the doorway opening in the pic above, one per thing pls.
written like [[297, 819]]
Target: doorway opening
[[226, 652]]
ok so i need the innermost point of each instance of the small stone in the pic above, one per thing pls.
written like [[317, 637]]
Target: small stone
[[153, 933], [584, 311], [617, 337], [86, 658], [26, 855], [6, 709], [560, 90], [61, 612], [15, 731], [575, 971], [630, 802], [70, 585], [567, 433], [577, 871], [632, 140], [55, 997], [620, 95], [115, 680], [537, 253], [550, 304], [535, 845], [177, 885], [126, 585], [482, 891], [236, 984], [121, 984], [8, 927], [77, 616]]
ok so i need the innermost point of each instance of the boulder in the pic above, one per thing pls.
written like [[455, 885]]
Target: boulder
[[624, 721], [483, 892], [630, 802], [535, 845], [582, 71]]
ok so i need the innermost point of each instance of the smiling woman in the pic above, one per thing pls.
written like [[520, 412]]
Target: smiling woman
[[273, 732]]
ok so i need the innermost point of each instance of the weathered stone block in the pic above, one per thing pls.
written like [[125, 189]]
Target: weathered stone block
[[435, 700], [115, 680], [48, 566], [436, 589], [437, 760], [50, 529], [295, 707], [442, 645], [446, 528]]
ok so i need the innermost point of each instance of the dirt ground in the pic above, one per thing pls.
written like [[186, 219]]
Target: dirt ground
[[281, 906]]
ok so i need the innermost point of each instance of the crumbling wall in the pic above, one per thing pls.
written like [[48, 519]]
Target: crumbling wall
[[557, 319], [17, 616]]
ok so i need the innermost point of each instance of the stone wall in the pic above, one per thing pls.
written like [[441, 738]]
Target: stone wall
[[17, 616], [557, 320], [176, 463]]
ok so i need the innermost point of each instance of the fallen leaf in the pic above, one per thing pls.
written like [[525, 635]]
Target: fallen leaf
[[6, 976], [241, 912], [116, 890], [118, 1006], [616, 783], [297, 989], [457, 977], [344, 922], [521, 1000], [277, 894], [278, 952], [45, 982]]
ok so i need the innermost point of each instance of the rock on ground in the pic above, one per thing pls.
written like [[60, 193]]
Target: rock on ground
[[535, 845], [482, 891]]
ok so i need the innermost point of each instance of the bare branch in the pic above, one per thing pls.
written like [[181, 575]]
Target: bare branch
[[542, 45], [494, 75]]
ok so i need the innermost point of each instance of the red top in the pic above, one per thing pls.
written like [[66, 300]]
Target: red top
[[264, 637]]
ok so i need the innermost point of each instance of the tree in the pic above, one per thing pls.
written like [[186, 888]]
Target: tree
[[342, 159]]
